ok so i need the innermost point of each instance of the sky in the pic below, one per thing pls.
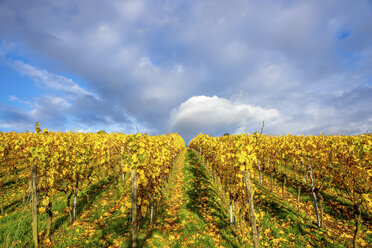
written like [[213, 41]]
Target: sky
[[214, 67]]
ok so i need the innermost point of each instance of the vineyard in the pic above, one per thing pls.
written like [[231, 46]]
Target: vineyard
[[336, 167], [46, 166], [71, 189]]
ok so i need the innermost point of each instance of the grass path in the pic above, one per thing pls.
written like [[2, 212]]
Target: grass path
[[191, 214]]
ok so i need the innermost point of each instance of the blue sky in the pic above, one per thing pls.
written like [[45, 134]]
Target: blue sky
[[187, 66]]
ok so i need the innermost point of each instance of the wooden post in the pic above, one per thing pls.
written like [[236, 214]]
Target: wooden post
[[75, 198], [34, 206], [68, 206], [152, 210], [231, 210], [134, 208], [321, 205], [255, 234], [259, 169], [314, 194]]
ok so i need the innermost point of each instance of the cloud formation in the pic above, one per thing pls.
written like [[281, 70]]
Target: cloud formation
[[217, 115], [140, 60], [52, 81]]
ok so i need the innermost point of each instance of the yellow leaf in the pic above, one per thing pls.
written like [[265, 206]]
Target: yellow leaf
[[41, 210], [123, 209], [134, 158], [45, 202], [143, 210]]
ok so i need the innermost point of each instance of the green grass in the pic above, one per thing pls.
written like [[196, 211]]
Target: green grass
[[197, 176], [16, 224], [190, 213]]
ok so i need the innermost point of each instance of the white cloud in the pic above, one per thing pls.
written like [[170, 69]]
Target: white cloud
[[215, 114], [130, 9], [272, 75], [104, 36], [51, 81], [145, 61], [16, 99], [58, 101]]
